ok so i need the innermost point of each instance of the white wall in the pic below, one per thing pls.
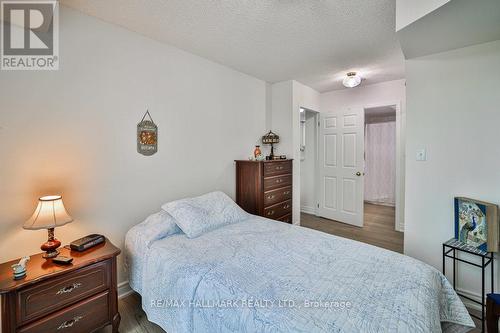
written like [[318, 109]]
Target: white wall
[[380, 94], [373, 94], [454, 25], [281, 117], [408, 11], [72, 132], [306, 97], [287, 98], [452, 111]]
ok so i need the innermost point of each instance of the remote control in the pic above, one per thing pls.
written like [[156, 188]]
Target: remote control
[[86, 242], [62, 260]]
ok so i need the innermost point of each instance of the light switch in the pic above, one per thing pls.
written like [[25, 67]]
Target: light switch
[[421, 155]]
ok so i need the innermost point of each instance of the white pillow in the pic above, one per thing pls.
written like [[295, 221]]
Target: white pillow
[[210, 211], [157, 226]]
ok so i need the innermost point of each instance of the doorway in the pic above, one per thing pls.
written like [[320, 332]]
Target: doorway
[[357, 179], [380, 169], [380, 156], [309, 120]]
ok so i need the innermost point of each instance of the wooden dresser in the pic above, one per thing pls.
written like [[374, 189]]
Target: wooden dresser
[[265, 188], [78, 298]]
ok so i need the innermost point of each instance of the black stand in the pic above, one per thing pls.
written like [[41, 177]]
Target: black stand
[[455, 246]]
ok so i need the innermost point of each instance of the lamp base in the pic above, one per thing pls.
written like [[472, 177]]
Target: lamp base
[[51, 254], [50, 245]]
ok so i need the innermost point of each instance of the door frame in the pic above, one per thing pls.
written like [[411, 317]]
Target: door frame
[[314, 210], [400, 159]]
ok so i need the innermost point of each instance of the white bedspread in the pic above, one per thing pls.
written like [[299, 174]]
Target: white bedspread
[[265, 276]]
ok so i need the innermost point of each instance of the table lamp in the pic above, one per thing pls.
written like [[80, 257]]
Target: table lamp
[[270, 139], [49, 213]]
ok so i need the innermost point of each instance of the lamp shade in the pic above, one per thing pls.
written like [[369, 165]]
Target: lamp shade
[[270, 138], [49, 213]]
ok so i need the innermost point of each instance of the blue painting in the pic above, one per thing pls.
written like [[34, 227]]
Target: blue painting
[[470, 223]]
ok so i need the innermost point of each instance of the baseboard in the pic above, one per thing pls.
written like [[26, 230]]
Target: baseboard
[[308, 210], [380, 203], [468, 303], [124, 289]]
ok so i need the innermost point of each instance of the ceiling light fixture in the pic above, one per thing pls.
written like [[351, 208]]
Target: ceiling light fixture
[[351, 80]]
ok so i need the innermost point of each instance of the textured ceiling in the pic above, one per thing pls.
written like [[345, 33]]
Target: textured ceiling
[[312, 41]]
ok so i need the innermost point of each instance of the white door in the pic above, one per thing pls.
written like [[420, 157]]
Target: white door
[[341, 149]]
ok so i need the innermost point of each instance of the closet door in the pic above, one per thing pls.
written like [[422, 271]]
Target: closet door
[[341, 147]]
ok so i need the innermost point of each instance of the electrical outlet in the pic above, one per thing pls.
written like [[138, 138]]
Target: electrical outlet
[[421, 155]]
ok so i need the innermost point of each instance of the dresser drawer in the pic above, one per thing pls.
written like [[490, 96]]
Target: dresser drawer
[[287, 218], [278, 195], [66, 289], [275, 182], [278, 210], [277, 168], [83, 317]]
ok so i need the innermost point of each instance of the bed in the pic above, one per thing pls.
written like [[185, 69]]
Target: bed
[[260, 275]]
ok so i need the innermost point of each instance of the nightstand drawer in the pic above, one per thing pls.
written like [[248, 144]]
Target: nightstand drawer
[[279, 195], [278, 210], [277, 182], [83, 317], [66, 289], [277, 168]]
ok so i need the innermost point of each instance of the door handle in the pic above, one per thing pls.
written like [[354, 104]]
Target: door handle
[[358, 173]]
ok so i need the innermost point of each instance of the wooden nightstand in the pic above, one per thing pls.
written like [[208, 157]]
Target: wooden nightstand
[[80, 297]]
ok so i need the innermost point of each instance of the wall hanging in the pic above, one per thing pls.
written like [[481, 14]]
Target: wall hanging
[[147, 136]]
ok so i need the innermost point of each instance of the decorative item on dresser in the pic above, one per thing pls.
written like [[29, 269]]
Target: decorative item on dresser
[[79, 297], [270, 138], [265, 188]]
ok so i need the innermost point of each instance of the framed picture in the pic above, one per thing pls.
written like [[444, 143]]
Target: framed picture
[[476, 224]]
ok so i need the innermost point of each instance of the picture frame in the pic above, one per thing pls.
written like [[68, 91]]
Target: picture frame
[[477, 223]]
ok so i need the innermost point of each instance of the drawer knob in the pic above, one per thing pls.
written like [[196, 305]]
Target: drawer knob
[[69, 289], [286, 192], [279, 180], [271, 212], [286, 206], [279, 168], [69, 323], [270, 196]]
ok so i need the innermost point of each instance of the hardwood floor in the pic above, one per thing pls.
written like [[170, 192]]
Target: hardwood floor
[[378, 228], [134, 319]]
